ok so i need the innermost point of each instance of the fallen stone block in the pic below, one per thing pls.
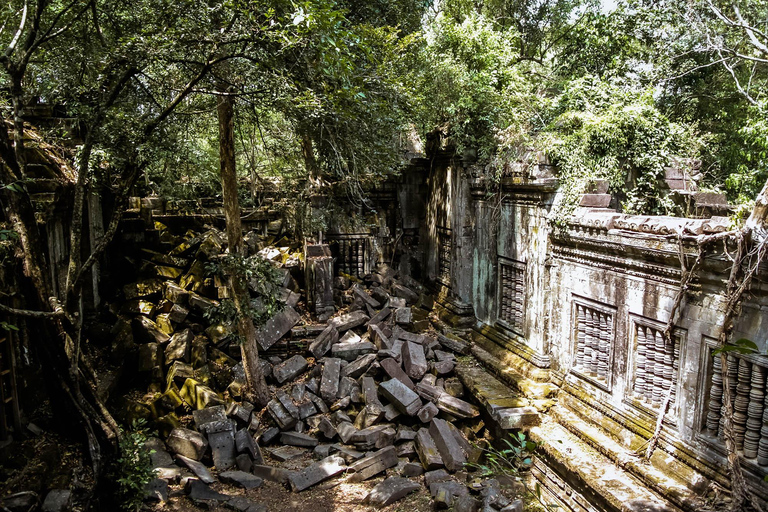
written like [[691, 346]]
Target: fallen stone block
[[391, 412], [242, 504], [147, 331], [359, 366], [443, 367], [269, 435], [197, 468], [516, 417], [351, 351], [390, 490], [324, 341], [406, 293], [428, 454], [402, 397], [277, 327], [445, 493], [204, 417], [349, 320], [223, 448], [175, 293], [154, 490], [414, 360], [329, 380], [428, 392], [144, 288], [427, 412], [326, 427], [201, 304], [346, 431], [453, 456], [290, 369], [244, 462], [60, 500], [316, 473], [187, 443], [456, 406], [370, 466], [150, 356], [242, 479], [244, 443], [378, 318], [287, 402], [272, 474], [180, 346], [298, 439], [395, 371], [199, 491], [412, 469], [286, 453], [403, 316], [467, 503], [281, 416], [453, 343]]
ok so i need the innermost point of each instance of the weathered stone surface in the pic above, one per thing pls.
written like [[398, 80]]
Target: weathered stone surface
[[272, 474], [403, 316], [390, 490], [378, 317], [197, 468], [188, 443], [412, 469], [276, 327], [445, 493], [443, 367], [438, 475], [326, 427], [241, 478], [242, 504], [456, 406], [290, 369], [346, 431], [356, 368], [175, 293], [200, 303], [467, 503], [428, 392], [324, 341], [180, 346], [395, 371], [391, 412], [349, 320], [453, 343], [150, 357], [427, 450], [453, 456], [414, 360], [269, 435], [147, 331], [244, 462], [405, 433], [317, 473], [298, 439], [284, 453], [244, 443], [281, 416], [199, 491], [155, 490], [427, 412], [370, 466], [223, 448], [406, 293], [329, 380], [402, 397], [351, 351], [59, 500], [516, 417]]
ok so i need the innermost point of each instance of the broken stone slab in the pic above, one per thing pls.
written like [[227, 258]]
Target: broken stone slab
[[451, 452], [406, 293], [367, 299], [59, 500], [390, 490], [428, 454], [351, 351], [286, 453], [319, 404], [467, 503], [244, 443], [290, 369], [414, 360], [324, 341], [342, 403], [456, 406], [346, 431], [428, 392], [453, 343], [390, 412], [147, 331], [269, 435], [242, 504], [443, 367], [370, 466], [180, 346], [277, 327], [175, 293], [446, 493], [329, 380], [199, 491], [326, 427], [401, 396], [516, 417], [368, 438], [378, 318], [403, 316], [297, 439], [197, 468], [201, 304], [316, 473], [427, 412], [395, 371], [272, 474], [282, 417], [223, 448], [412, 469], [359, 366], [187, 443], [349, 321], [241, 478], [438, 475]]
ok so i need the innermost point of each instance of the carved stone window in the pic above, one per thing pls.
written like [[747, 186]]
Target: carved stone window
[[594, 331], [657, 365], [444, 246], [512, 293], [747, 377]]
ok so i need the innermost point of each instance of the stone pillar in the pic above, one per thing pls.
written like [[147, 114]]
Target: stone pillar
[[319, 276]]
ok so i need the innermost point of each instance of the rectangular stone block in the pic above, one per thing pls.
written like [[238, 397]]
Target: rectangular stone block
[[324, 341], [395, 371], [453, 456], [356, 368], [351, 351], [329, 381], [277, 327], [316, 473], [374, 464], [405, 399], [349, 320], [298, 439], [428, 454], [414, 360], [456, 406], [290, 369]]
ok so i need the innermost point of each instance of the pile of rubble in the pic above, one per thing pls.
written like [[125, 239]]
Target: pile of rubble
[[371, 392]]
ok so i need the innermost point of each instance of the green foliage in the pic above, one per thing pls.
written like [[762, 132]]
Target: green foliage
[[264, 281], [742, 346], [8, 327], [133, 468]]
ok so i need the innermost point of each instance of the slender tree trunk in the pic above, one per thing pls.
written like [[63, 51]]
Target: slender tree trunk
[[256, 387]]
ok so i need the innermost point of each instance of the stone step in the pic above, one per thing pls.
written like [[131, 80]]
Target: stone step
[[590, 473]]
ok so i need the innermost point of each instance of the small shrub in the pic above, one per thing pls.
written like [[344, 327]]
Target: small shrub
[[134, 467]]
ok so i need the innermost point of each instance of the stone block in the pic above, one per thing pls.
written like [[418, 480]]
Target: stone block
[[326, 427], [454, 344], [223, 448], [456, 406], [59, 500], [198, 490], [428, 454], [150, 356], [180, 346], [414, 360], [403, 316], [351, 351], [427, 412], [286, 453], [241, 479], [324, 341], [412, 469], [516, 418], [147, 331], [272, 474], [206, 397], [349, 320], [402, 397], [297, 439], [451, 452], [316, 473], [277, 327], [201, 304], [244, 462], [359, 366], [370, 466], [282, 417], [269, 435], [346, 431], [378, 318], [197, 468], [204, 417], [390, 490], [391, 412], [188, 443], [244, 443], [446, 493], [428, 391], [290, 369], [395, 371], [595, 200]]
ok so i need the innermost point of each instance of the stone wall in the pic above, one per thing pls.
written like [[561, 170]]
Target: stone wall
[[584, 307]]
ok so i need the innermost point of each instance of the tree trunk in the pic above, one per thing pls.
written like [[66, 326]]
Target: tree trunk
[[256, 386]]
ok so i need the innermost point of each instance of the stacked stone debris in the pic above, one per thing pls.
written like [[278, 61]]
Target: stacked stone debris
[[371, 392]]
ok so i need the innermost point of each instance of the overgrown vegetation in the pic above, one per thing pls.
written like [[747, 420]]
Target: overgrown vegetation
[[133, 468]]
